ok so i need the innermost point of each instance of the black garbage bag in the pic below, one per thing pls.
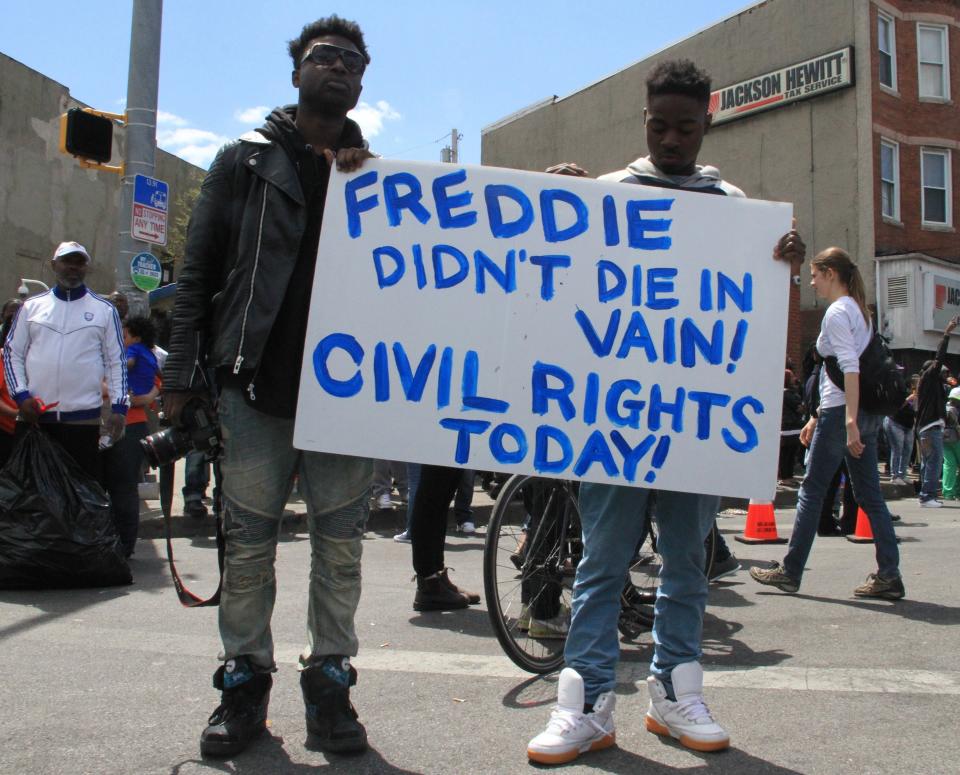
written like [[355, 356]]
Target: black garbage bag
[[55, 525]]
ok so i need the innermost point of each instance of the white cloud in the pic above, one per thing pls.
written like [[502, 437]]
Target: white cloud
[[253, 115], [197, 146], [371, 117], [164, 118]]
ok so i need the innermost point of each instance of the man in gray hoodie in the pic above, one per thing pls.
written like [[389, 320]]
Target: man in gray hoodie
[[676, 119]]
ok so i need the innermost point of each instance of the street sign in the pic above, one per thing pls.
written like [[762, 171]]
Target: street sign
[[150, 201], [145, 271]]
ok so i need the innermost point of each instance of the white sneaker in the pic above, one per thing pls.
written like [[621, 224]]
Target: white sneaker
[[384, 502], [467, 528], [571, 732], [898, 481], [933, 503], [403, 538], [688, 719], [555, 628]]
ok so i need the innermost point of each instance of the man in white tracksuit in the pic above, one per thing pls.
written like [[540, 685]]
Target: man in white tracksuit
[[62, 345]]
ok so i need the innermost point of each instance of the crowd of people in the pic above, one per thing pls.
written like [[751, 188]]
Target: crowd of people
[[78, 367]]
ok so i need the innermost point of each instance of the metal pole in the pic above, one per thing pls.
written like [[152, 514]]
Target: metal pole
[[141, 137], [454, 154]]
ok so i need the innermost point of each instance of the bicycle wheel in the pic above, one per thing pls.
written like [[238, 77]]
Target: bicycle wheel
[[532, 549]]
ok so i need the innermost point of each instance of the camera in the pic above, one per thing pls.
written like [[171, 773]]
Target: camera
[[198, 430]]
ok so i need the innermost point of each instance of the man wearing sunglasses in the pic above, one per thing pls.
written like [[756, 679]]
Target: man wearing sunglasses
[[241, 311]]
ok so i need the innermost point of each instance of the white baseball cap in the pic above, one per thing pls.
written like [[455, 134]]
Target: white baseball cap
[[68, 248]]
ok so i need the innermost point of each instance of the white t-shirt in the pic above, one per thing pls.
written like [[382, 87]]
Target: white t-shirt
[[845, 334]]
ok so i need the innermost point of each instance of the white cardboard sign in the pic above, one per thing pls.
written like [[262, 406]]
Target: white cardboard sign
[[543, 324]]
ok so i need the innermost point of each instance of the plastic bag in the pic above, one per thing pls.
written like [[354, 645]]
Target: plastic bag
[[55, 525]]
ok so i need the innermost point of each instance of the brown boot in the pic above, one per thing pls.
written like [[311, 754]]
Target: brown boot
[[436, 593], [472, 597]]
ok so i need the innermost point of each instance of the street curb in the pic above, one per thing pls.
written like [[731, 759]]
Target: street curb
[[389, 522]]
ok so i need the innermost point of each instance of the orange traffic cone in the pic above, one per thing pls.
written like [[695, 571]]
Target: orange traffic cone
[[761, 525], [863, 534]]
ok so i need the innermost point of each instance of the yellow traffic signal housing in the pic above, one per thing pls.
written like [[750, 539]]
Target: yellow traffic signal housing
[[87, 134]]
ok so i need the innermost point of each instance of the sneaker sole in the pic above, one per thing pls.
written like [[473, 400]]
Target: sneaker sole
[[568, 756], [692, 743], [880, 596], [221, 749], [726, 573]]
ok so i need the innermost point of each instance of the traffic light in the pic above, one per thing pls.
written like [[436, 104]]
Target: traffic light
[[86, 135]]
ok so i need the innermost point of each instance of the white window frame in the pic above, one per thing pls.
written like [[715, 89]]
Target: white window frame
[[945, 37], [948, 182], [895, 147], [892, 53]]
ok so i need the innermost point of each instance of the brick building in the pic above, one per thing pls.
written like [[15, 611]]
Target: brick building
[[846, 108]]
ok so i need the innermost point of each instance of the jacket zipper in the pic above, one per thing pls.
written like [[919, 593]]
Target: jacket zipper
[[253, 277]]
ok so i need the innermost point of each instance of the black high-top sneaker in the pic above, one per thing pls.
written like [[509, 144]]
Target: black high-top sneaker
[[331, 720], [241, 716]]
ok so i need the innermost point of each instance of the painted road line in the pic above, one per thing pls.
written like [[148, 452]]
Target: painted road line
[[791, 678]]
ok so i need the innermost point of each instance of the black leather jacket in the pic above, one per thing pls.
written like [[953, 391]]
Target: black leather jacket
[[240, 250]]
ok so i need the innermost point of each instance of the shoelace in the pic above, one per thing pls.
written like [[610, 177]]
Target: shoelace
[[563, 720], [694, 709]]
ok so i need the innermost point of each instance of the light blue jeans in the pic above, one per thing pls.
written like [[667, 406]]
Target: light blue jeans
[[900, 440], [931, 453], [258, 468], [612, 518], [827, 449]]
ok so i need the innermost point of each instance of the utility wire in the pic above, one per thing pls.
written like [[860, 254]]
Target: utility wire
[[417, 147]]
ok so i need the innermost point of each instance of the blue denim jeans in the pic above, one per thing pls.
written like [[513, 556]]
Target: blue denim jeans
[[258, 468], [827, 449], [196, 476], [931, 453], [612, 518], [901, 445]]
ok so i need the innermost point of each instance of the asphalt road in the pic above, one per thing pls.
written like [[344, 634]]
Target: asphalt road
[[118, 680]]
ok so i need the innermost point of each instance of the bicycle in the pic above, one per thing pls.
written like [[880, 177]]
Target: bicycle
[[533, 546]]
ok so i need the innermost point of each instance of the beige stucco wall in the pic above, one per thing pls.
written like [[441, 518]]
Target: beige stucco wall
[[45, 196], [806, 153]]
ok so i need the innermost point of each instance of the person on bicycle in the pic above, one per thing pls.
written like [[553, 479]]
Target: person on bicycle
[[676, 119]]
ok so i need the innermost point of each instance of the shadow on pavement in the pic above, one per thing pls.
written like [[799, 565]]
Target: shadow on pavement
[[623, 762], [269, 756], [466, 621], [149, 574], [915, 610]]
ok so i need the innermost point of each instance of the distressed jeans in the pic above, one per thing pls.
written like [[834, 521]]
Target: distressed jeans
[[612, 519], [258, 468], [827, 449]]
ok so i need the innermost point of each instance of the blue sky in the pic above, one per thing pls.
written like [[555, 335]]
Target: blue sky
[[435, 65]]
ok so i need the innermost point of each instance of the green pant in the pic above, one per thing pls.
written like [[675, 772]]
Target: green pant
[[951, 462]]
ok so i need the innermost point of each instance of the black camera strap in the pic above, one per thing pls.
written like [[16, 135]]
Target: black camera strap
[[187, 598]]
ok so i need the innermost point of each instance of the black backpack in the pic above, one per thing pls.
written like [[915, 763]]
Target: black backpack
[[883, 386]]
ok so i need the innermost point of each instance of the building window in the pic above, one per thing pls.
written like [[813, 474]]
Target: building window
[[935, 180], [932, 57], [887, 47], [890, 180]]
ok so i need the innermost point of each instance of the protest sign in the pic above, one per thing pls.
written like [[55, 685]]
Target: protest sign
[[543, 324]]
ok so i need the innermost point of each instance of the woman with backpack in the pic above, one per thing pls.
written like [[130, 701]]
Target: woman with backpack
[[840, 430]]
